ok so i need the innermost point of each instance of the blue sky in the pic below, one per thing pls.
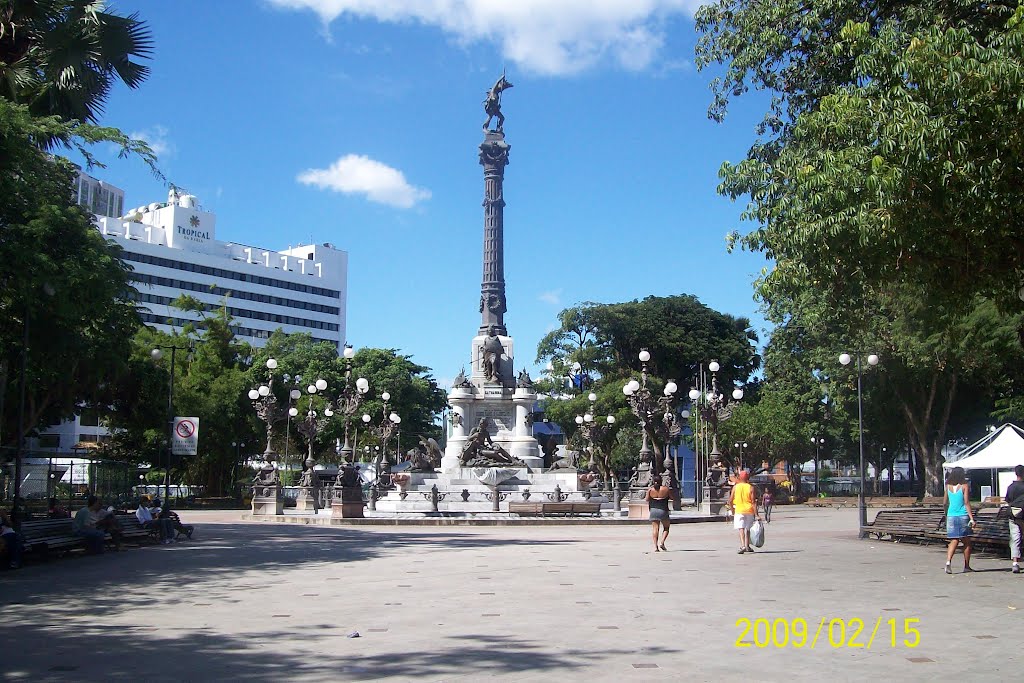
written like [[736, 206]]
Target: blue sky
[[610, 191]]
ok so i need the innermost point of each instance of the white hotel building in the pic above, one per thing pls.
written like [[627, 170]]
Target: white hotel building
[[173, 250]]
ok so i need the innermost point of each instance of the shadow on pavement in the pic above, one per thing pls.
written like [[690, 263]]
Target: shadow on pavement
[[142, 654]]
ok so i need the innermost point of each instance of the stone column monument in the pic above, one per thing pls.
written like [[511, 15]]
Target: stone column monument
[[491, 409]]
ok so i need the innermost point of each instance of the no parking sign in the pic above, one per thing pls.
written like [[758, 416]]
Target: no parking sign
[[185, 436]]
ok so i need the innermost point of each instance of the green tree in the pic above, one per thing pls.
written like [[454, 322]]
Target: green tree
[[892, 147], [679, 331], [940, 369], [59, 279], [62, 57], [414, 394], [211, 381]]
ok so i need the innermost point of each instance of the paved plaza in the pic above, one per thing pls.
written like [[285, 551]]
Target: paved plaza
[[256, 601]]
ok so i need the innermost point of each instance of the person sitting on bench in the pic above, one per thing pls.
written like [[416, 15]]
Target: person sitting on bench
[[93, 527], [11, 540], [164, 525], [167, 513]]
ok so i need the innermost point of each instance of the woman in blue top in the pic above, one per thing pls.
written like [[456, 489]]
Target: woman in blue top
[[959, 517]]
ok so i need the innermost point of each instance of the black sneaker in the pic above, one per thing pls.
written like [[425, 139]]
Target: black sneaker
[[742, 550]]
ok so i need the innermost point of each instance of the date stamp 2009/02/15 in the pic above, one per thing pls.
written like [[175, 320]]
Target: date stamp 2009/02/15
[[828, 632]]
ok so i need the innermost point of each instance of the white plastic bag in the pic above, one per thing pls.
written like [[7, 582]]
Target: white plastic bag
[[757, 534]]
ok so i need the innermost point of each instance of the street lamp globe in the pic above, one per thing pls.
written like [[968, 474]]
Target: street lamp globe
[[694, 394], [844, 359], [271, 364], [311, 389], [685, 414], [385, 396], [328, 412], [366, 418], [349, 352], [873, 359], [588, 417], [644, 356], [394, 418], [264, 390], [321, 384], [713, 366], [362, 385], [737, 394], [592, 397], [293, 411], [295, 394], [634, 385], [156, 354], [671, 388], [253, 394], [610, 419], [627, 389], [579, 419]]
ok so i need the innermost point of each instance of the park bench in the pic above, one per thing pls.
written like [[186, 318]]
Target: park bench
[[833, 502], [903, 523], [989, 529], [44, 536], [562, 509]]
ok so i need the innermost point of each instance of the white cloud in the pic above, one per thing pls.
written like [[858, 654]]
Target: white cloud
[[553, 297], [358, 174], [552, 37], [158, 139]]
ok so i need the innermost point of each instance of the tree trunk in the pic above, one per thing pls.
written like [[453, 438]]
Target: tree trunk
[[928, 429]]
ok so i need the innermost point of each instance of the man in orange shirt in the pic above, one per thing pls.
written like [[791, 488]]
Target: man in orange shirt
[[743, 503]]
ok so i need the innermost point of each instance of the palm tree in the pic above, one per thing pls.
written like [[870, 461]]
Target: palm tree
[[61, 57]]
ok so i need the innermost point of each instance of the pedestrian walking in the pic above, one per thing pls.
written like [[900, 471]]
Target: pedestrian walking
[[657, 503], [767, 500], [743, 504], [959, 517], [1015, 499]]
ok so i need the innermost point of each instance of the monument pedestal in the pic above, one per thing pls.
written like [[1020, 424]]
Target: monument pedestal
[[715, 499], [638, 509], [306, 501], [267, 500], [349, 504]]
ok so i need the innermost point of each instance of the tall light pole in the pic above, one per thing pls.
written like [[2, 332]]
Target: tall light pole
[[818, 443], [156, 354], [844, 359], [742, 445]]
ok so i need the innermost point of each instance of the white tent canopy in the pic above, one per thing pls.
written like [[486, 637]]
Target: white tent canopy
[[1002, 449]]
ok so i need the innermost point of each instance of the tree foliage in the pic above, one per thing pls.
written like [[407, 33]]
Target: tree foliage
[[62, 57], [58, 277], [680, 333], [892, 150], [414, 394]]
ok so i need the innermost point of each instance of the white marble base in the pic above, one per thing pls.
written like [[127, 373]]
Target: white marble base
[[455, 481]]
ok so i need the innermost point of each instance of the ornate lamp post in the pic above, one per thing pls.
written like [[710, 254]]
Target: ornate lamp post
[[712, 406], [267, 484], [309, 427], [657, 417], [387, 428], [348, 402], [294, 394], [845, 359], [594, 432]]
